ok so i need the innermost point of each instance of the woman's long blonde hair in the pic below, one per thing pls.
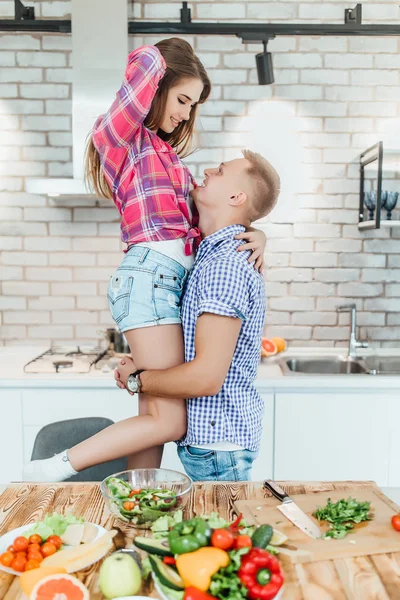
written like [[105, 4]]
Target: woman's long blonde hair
[[182, 63]]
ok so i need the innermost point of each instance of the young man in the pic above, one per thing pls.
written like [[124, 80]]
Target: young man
[[222, 316]]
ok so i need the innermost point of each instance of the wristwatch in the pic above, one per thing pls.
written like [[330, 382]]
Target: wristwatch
[[133, 383]]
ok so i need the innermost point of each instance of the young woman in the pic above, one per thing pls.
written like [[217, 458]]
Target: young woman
[[134, 158]]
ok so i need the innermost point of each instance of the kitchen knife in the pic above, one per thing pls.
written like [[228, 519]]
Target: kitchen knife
[[292, 511], [120, 546], [119, 538]]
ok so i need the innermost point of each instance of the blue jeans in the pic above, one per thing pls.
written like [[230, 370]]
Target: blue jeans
[[216, 465]]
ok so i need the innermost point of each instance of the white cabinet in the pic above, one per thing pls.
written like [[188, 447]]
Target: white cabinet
[[325, 436], [263, 465], [394, 439], [44, 406], [11, 448]]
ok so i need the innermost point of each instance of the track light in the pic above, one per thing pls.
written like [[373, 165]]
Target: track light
[[265, 70]]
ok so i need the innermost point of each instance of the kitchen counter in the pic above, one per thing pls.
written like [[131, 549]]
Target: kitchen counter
[[359, 578], [13, 359]]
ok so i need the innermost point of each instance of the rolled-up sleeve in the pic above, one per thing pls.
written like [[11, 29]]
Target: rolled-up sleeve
[[144, 70], [223, 290]]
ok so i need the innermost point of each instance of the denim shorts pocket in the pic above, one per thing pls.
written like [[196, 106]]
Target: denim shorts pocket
[[199, 453], [168, 279], [118, 294]]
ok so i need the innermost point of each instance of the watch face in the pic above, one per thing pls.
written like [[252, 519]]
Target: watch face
[[132, 384]]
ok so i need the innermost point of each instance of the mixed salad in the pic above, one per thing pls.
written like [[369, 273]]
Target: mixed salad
[[208, 558], [139, 506]]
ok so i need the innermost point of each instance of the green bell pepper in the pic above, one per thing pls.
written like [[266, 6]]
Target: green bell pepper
[[118, 488], [189, 536]]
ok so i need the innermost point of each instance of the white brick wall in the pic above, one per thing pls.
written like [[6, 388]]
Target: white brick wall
[[332, 97]]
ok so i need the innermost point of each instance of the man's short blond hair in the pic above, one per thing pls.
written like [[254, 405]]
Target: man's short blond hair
[[265, 185]]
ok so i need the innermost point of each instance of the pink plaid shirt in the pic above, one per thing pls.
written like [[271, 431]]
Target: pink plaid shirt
[[149, 182]]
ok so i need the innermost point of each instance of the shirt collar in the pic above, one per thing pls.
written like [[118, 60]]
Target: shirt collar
[[223, 234]]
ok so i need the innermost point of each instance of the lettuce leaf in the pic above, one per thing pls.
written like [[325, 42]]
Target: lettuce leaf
[[53, 524]]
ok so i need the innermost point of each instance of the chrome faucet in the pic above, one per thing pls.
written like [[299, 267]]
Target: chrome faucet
[[353, 342]]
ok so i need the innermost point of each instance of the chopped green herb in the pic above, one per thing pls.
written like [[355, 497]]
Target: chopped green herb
[[341, 515]]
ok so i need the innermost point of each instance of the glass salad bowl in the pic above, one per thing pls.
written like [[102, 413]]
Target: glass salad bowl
[[141, 496]]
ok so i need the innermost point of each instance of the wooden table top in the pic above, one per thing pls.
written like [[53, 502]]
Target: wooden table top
[[362, 578]]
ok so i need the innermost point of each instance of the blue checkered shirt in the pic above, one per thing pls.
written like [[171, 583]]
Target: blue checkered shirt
[[222, 282]]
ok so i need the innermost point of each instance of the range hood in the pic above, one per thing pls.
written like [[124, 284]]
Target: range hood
[[99, 53]]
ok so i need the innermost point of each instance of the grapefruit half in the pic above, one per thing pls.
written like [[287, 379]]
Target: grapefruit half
[[65, 587], [268, 347]]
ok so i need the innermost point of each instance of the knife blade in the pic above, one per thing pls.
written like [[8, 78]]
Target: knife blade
[[292, 511]]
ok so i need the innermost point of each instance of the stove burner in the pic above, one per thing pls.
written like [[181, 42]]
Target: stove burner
[[62, 364], [71, 360]]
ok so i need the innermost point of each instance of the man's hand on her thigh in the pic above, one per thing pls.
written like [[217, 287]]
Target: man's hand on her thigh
[[122, 372]]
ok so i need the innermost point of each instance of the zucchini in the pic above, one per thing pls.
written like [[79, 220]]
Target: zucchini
[[166, 575], [152, 546], [262, 536]]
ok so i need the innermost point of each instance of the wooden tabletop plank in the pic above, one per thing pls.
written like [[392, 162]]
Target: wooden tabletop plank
[[367, 578]]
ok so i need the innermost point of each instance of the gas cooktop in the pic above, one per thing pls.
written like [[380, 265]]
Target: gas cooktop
[[73, 359]]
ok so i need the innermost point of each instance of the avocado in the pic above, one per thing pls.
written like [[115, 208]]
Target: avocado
[[166, 575], [152, 546]]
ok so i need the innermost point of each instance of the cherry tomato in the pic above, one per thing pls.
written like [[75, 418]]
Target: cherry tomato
[[20, 544], [56, 540], [222, 538], [36, 555], [32, 564], [33, 548], [243, 541], [396, 522], [129, 505], [6, 558], [35, 539], [48, 549], [10, 548], [19, 563]]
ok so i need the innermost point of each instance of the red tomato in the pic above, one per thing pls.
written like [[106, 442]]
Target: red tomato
[[35, 539], [32, 564], [10, 548], [56, 540], [222, 538], [243, 541], [35, 555], [6, 558], [48, 549], [19, 563], [396, 522], [33, 548], [20, 544]]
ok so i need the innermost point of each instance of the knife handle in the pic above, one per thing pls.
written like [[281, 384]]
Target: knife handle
[[275, 490]]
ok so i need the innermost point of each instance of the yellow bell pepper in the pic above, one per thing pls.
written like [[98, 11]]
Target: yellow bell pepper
[[197, 568]]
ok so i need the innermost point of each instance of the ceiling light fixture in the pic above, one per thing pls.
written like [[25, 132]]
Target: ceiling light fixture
[[265, 70]]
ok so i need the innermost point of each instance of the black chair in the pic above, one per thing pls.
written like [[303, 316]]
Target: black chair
[[56, 437]]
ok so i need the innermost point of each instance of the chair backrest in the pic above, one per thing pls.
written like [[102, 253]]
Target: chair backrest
[[56, 437]]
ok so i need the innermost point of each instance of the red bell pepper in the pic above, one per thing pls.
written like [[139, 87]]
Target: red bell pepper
[[192, 593], [169, 560], [261, 574]]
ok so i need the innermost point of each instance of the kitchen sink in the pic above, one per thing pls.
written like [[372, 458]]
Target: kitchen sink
[[383, 365], [331, 365]]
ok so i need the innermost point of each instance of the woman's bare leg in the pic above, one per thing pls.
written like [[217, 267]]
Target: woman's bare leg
[[157, 347]]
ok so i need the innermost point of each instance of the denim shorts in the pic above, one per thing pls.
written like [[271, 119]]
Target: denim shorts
[[146, 290], [217, 465]]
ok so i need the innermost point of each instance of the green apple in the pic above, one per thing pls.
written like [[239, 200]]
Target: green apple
[[119, 576]]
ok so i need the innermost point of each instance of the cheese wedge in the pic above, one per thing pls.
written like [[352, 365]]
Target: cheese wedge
[[73, 535], [89, 533]]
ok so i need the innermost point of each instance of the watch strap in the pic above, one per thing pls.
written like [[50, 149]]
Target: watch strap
[[136, 373]]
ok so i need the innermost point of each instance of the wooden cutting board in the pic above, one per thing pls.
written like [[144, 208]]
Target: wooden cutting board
[[369, 537]]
